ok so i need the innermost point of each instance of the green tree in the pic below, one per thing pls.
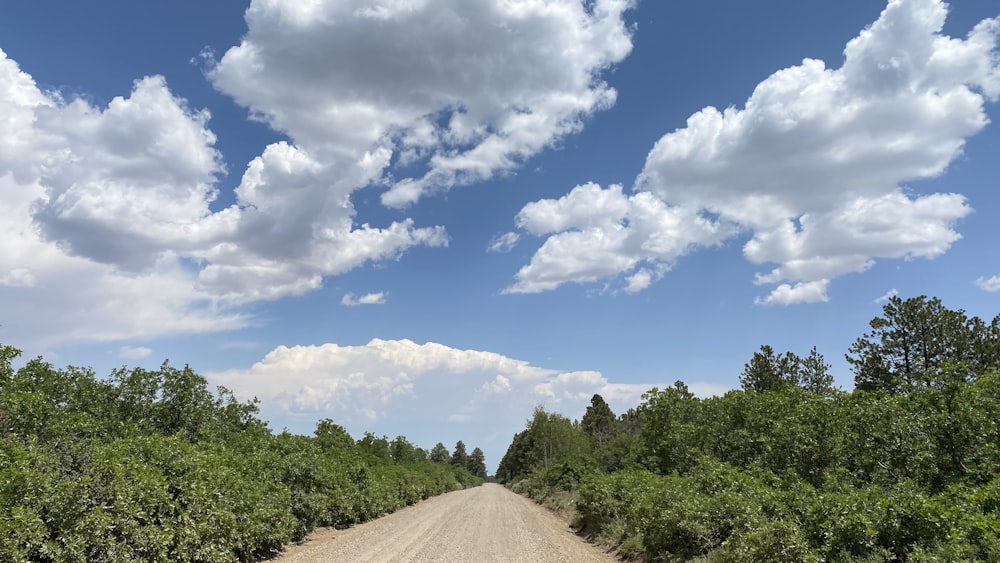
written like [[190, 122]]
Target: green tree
[[556, 438], [518, 459], [138, 393], [186, 404], [7, 356], [477, 463], [672, 428], [403, 451], [601, 427], [599, 421], [439, 454], [814, 374], [985, 345], [459, 457], [769, 372], [331, 437], [548, 439], [911, 343], [375, 446]]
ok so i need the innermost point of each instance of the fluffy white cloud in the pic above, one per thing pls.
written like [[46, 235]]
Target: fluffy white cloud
[[813, 166], [50, 297], [600, 232], [465, 89], [108, 229], [134, 352], [351, 300], [127, 182], [422, 386], [293, 225], [457, 91], [802, 292], [989, 284], [19, 97]]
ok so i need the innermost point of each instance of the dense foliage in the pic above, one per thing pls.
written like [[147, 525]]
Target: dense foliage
[[152, 466], [904, 468]]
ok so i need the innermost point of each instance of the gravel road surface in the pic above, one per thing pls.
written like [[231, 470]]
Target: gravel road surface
[[483, 524]]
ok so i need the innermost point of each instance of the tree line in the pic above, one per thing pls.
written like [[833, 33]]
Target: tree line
[[904, 467], [150, 465]]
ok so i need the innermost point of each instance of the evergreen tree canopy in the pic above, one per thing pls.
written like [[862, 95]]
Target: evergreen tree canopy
[[915, 340], [814, 374], [770, 372], [439, 453], [599, 420], [477, 463], [459, 457]]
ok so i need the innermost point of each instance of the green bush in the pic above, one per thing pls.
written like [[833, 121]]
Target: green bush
[[721, 511], [151, 466]]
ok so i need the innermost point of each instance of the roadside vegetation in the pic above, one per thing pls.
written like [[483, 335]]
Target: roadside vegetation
[[153, 466], [906, 467]]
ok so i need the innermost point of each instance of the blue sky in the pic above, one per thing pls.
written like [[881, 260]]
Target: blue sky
[[425, 218]]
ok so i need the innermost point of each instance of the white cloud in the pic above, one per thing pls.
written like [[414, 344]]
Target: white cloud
[[106, 215], [134, 352], [50, 298], [351, 300], [18, 277], [989, 284], [386, 385], [600, 232], [466, 89], [887, 296], [49, 293], [125, 191], [500, 384], [639, 281], [644, 278], [802, 292], [128, 182], [813, 166], [503, 243], [294, 226]]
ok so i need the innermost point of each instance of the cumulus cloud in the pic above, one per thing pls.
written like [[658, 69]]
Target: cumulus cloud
[[129, 181], [134, 352], [422, 386], [450, 92], [351, 300], [109, 232], [597, 232], [463, 89], [50, 297], [802, 292], [813, 167], [989, 284]]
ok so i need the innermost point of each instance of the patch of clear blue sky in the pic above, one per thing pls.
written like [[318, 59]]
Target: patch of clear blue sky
[[697, 324]]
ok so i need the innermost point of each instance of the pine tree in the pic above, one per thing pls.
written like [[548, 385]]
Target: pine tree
[[439, 454], [477, 463], [815, 374], [459, 457]]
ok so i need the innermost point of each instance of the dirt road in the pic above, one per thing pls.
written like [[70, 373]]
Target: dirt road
[[483, 524]]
